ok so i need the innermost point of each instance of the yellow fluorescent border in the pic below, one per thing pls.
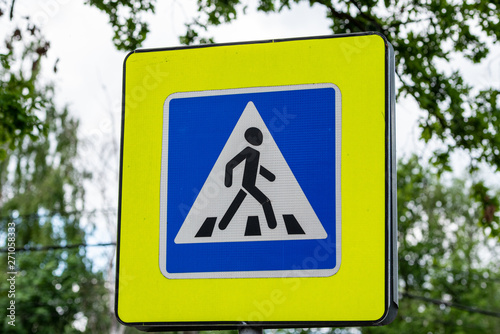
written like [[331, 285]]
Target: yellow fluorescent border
[[357, 292]]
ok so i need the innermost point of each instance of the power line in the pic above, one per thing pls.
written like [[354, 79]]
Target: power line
[[470, 309], [60, 213], [54, 247]]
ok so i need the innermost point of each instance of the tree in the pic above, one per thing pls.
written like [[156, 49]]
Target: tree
[[57, 289], [20, 98], [448, 273]]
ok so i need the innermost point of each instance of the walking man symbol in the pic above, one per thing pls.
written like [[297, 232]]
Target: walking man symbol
[[250, 186], [252, 168]]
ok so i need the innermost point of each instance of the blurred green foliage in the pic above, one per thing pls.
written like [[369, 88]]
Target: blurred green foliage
[[42, 195], [57, 291], [448, 271], [127, 19], [21, 101]]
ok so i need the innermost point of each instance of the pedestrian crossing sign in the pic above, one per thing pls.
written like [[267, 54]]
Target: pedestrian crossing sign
[[250, 182], [257, 185]]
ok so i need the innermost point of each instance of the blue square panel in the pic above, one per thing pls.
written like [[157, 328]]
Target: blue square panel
[[250, 183]]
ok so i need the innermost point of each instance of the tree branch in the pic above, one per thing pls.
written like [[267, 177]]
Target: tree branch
[[367, 16], [11, 15], [345, 16]]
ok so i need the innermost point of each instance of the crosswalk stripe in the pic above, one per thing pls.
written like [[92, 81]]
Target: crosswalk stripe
[[253, 226], [207, 228], [292, 225]]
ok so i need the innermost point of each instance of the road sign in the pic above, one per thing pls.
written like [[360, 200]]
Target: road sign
[[238, 195], [257, 182]]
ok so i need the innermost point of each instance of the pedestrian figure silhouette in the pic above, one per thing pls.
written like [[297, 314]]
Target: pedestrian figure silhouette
[[252, 168]]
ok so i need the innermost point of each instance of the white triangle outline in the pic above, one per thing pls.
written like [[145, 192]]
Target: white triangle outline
[[285, 193]]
